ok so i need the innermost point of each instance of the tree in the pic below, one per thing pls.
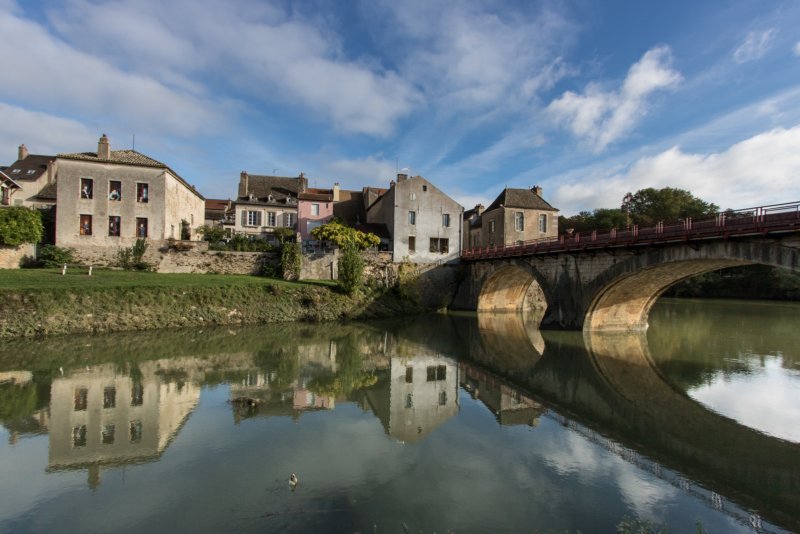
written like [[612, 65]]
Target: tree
[[649, 206], [291, 261], [20, 225], [351, 269], [213, 233], [336, 232], [599, 219]]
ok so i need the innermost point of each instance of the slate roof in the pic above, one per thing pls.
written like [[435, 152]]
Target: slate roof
[[520, 198], [262, 186], [19, 171], [48, 192], [8, 179]]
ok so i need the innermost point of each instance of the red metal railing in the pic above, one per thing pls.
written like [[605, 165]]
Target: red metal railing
[[751, 221]]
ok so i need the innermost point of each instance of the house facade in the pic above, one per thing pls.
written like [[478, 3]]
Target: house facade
[[472, 227], [516, 216], [315, 208], [425, 224], [30, 181], [266, 203], [109, 199]]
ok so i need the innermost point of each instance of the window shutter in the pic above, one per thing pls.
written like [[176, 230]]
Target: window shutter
[[244, 218]]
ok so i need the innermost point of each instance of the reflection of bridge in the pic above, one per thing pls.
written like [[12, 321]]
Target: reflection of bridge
[[610, 280], [609, 382]]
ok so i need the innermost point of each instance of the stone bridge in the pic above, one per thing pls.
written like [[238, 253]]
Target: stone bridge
[[610, 282]]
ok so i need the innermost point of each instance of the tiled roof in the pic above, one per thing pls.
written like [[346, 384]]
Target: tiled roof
[[126, 157], [48, 192], [217, 204], [20, 170], [262, 186], [321, 197], [520, 198]]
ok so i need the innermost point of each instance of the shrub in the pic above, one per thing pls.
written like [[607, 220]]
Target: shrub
[[20, 225], [268, 270], [132, 258], [351, 269], [290, 261], [53, 256]]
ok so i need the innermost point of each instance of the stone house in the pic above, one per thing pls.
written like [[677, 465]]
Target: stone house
[[516, 216], [30, 181], [423, 222], [219, 212], [110, 198], [265, 203], [472, 227]]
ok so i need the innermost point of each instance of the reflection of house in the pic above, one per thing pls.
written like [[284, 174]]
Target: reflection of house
[[420, 394], [516, 215], [30, 181], [424, 223], [109, 198], [509, 405], [101, 418], [266, 203]]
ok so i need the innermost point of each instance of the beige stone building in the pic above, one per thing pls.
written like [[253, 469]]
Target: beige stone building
[[265, 203], [515, 216], [30, 181], [110, 198]]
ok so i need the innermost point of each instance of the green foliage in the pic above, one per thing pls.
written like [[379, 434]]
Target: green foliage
[[52, 256], [213, 233], [268, 270], [291, 258], [342, 236], [280, 363], [350, 374], [649, 206], [351, 269], [242, 243], [17, 401], [599, 219], [635, 525], [284, 234], [20, 225], [132, 258]]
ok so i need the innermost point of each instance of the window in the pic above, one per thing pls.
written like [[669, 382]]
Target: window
[[109, 397], [412, 243], [79, 436], [409, 375], [446, 220], [491, 226], [137, 394], [412, 217], [440, 245], [107, 434], [409, 401], [436, 372], [142, 192], [113, 225], [81, 399], [141, 227], [86, 225], [288, 220], [443, 398], [315, 210], [271, 219], [424, 187], [30, 171], [87, 188], [519, 221], [412, 196], [253, 218], [16, 171], [136, 431], [114, 190], [542, 223]]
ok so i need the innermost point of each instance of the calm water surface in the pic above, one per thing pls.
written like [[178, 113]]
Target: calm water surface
[[430, 424]]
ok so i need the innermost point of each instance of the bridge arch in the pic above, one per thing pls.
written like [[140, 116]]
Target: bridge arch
[[512, 287], [623, 295]]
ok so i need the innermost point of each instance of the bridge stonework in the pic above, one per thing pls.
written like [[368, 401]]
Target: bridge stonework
[[610, 289]]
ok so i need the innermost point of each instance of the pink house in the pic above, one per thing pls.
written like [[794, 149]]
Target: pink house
[[315, 208]]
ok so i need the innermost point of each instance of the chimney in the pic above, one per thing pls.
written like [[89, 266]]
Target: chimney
[[244, 184], [103, 148], [402, 177], [479, 208], [336, 192], [51, 171], [23, 152], [537, 190], [303, 182]]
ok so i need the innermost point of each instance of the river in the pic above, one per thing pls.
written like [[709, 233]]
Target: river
[[441, 423]]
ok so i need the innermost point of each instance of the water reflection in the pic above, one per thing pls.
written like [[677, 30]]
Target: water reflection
[[590, 403]]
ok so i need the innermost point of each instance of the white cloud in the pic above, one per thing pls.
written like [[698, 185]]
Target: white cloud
[[355, 173], [600, 117], [754, 46], [41, 133], [760, 170], [796, 49]]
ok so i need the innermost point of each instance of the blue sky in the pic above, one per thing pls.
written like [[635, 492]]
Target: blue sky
[[588, 99]]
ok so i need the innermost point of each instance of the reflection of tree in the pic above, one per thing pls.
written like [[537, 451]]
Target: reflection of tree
[[17, 401], [280, 363], [349, 375]]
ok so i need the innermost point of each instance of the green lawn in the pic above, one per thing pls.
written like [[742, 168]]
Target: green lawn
[[24, 279]]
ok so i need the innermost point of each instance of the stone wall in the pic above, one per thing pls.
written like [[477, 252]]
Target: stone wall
[[320, 267], [10, 257], [212, 261]]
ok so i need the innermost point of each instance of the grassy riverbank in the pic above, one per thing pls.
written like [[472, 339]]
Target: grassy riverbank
[[42, 302]]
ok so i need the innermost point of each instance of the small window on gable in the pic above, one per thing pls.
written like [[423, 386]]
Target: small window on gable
[[87, 188], [446, 220], [424, 187]]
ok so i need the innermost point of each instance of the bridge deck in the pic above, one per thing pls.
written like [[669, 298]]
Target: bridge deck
[[760, 221]]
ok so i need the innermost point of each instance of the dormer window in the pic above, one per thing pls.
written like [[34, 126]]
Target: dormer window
[[16, 171], [31, 171], [251, 196], [270, 198]]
